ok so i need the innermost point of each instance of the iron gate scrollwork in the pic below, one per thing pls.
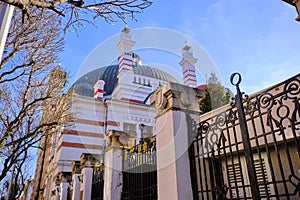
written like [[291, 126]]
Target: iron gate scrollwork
[[98, 182], [250, 150], [139, 171]]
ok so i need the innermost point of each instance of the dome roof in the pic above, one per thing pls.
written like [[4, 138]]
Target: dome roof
[[85, 84]]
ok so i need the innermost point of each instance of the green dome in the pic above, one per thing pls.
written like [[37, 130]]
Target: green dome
[[85, 84]]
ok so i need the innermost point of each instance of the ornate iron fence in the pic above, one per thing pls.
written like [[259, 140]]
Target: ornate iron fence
[[139, 171], [98, 182], [250, 150]]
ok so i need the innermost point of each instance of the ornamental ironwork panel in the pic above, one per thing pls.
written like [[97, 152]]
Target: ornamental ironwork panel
[[139, 171], [251, 149], [98, 182]]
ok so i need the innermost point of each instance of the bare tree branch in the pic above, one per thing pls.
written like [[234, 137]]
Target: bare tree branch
[[110, 10]]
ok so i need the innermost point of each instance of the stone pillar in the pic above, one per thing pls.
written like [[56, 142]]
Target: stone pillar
[[115, 142], [63, 182], [174, 102], [76, 180], [64, 190], [87, 161]]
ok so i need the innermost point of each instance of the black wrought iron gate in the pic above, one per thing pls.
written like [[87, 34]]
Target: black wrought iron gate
[[251, 149], [139, 171], [98, 182]]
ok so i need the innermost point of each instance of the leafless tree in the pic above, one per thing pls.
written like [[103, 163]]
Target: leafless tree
[[76, 12], [33, 103]]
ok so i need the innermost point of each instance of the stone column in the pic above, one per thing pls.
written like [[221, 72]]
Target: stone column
[[87, 162], [64, 179], [76, 177], [64, 190], [174, 102], [115, 142]]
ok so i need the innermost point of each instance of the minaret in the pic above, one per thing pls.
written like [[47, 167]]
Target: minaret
[[188, 66], [125, 46], [126, 90]]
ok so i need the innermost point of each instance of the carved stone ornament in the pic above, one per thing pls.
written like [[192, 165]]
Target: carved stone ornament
[[76, 167], [66, 176], [187, 97], [124, 139], [120, 139], [161, 100], [88, 160]]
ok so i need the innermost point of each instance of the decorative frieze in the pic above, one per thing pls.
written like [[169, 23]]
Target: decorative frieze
[[138, 119]]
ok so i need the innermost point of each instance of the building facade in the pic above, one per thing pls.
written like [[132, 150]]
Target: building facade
[[115, 97]]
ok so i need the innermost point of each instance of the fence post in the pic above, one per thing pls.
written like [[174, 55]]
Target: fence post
[[76, 180], [87, 162], [65, 178], [172, 102], [113, 177], [245, 137]]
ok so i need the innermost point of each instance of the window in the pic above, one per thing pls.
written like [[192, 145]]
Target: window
[[261, 174], [129, 128], [134, 79], [237, 176]]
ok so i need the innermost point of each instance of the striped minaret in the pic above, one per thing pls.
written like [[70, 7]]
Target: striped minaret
[[125, 46], [188, 66], [99, 89]]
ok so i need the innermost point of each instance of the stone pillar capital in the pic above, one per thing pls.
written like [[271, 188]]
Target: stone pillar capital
[[118, 139], [76, 167], [65, 177], [174, 96], [89, 160]]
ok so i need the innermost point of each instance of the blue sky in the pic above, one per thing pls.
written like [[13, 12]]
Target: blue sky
[[259, 39]]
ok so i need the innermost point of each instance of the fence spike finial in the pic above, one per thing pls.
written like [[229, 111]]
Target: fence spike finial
[[239, 79]]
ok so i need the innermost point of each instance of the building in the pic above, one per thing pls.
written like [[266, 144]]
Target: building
[[248, 150], [115, 97]]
